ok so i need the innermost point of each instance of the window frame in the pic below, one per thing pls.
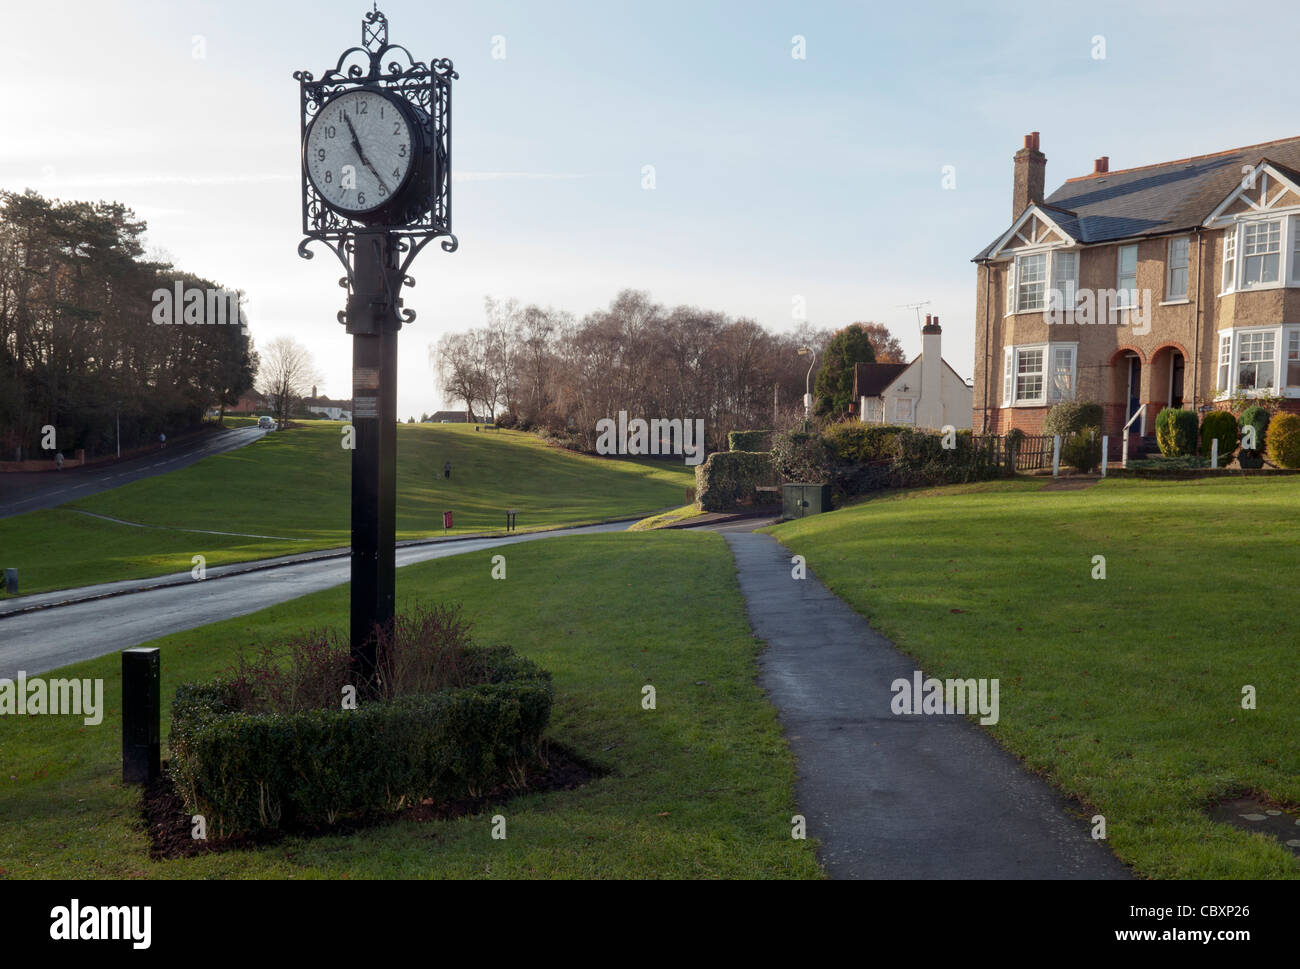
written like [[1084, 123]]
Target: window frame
[[1284, 335], [1170, 294], [1050, 278], [1046, 373], [1125, 298]]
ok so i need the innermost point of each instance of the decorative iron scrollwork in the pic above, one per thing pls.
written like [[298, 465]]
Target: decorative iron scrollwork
[[379, 64]]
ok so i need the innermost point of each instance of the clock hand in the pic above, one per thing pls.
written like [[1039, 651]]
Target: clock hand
[[356, 146]]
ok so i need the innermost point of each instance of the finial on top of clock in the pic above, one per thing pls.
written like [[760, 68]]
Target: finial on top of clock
[[374, 30]]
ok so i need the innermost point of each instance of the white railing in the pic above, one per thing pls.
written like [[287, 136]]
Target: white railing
[[1142, 413]]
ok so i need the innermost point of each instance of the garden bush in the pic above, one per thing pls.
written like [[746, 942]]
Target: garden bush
[[1219, 425], [1176, 431], [749, 440], [315, 765], [1284, 440], [731, 478], [1258, 418], [854, 441], [1083, 450], [1069, 417], [802, 456]]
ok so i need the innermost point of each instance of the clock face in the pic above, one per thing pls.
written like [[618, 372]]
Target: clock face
[[359, 151]]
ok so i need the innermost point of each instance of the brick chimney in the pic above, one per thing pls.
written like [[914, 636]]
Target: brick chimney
[[1030, 169], [1101, 166]]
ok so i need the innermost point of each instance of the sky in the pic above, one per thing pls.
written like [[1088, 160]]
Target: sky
[[853, 181]]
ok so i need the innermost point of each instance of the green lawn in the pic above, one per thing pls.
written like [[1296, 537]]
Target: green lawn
[[1125, 692], [702, 786], [293, 487]]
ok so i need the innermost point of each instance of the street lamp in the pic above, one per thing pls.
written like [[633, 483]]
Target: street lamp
[[807, 383]]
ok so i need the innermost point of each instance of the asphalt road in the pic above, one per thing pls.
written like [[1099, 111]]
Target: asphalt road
[[49, 638], [894, 796], [23, 491]]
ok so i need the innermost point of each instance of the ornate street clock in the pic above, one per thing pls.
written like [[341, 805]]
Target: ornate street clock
[[376, 189], [376, 152]]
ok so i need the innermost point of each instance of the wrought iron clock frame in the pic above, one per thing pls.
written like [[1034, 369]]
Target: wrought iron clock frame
[[417, 219]]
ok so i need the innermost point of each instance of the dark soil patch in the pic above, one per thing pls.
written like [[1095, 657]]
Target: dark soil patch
[[1257, 813], [171, 832]]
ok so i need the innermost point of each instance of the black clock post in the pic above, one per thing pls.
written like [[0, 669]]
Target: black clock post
[[376, 189]]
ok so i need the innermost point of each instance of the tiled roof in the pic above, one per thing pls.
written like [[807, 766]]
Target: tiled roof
[[869, 379], [1156, 199]]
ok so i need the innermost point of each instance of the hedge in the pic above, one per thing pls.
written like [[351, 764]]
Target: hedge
[[247, 772], [856, 441], [749, 440], [1083, 450], [1219, 425], [1258, 418], [1176, 431], [731, 478], [1069, 417], [1284, 441]]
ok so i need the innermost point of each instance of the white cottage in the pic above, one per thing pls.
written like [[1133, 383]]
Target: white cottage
[[924, 393]]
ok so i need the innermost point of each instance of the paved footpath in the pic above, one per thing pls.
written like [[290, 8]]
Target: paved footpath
[[894, 796]]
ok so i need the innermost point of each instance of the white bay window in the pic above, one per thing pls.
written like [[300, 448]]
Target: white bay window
[[1043, 280], [1038, 374], [1259, 360]]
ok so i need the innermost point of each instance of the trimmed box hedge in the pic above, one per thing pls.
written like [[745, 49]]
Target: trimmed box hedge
[[247, 772], [731, 478], [754, 441]]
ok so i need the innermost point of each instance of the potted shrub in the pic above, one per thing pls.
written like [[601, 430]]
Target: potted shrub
[[1257, 418]]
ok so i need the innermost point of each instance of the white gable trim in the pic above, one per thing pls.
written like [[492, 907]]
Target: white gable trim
[[1258, 177], [1014, 232]]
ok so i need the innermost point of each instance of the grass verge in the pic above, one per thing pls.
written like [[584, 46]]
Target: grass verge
[[702, 786], [1124, 692]]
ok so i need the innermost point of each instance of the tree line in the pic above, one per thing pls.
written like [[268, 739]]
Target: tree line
[[543, 369], [80, 348]]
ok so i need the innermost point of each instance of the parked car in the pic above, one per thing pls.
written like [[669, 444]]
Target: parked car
[[266, 422]]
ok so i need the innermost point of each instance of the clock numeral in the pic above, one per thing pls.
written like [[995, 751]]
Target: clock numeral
[[362, 106], [361, 198], [320, 154], [397, 128], [381, 112], [329, 178], [397, 173], [382, 191], [329, 131], [401, 151]]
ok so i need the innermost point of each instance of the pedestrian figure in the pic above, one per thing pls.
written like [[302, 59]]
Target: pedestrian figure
[[446, 470], [162, 438], [58, 461]]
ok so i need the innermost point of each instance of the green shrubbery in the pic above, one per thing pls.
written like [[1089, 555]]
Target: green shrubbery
[[856, 441], [748, 440], [1284, 440], [268, 748], [1258, 418], [1219, 425], [1071, 416], [1176, 432], [1182, 462], [1083, 450], [730, 478]]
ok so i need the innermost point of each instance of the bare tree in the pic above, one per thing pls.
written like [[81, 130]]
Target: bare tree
[[285, 375]]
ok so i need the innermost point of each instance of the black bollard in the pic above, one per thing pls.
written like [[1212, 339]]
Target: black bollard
[[141, 711]]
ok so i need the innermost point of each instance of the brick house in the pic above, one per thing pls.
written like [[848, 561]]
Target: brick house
[[1175, 284]]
